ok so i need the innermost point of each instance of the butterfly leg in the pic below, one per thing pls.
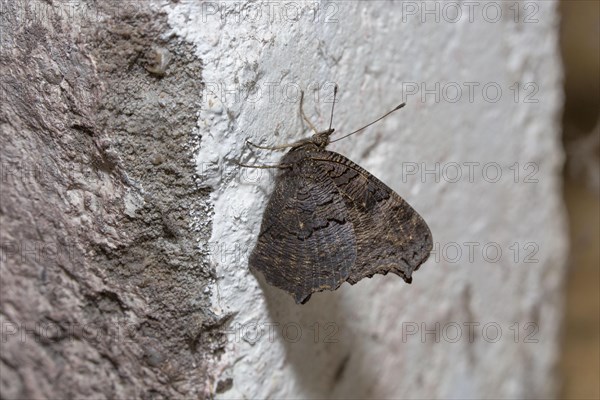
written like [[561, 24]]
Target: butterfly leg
[[282, 166], [279, 147]]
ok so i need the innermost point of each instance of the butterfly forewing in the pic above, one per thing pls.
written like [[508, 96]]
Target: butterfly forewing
[[390, 235]]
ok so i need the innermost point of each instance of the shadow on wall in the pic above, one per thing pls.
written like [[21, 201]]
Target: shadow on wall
[[317, 339]]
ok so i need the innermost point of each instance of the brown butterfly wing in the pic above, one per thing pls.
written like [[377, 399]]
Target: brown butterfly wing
[[390, 235], [306, 243]]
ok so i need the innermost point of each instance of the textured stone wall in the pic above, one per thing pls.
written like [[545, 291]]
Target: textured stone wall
[[476, 151], [102, 282]]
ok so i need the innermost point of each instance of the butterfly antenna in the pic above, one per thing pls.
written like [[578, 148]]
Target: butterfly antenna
[[335, 89], [369, 124]]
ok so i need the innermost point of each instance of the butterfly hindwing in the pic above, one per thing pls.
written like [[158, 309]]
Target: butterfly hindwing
[[307, 242]]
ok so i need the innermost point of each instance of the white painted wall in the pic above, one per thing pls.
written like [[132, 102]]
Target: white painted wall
[[380, 53]]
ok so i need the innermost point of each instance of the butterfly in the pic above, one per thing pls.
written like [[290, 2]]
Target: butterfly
[[329, 221]]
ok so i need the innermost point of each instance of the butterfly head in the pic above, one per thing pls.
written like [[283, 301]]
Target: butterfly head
[[321, 139]]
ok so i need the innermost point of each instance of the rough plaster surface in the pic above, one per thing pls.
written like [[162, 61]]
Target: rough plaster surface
[[359, 340], [102, 285]]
